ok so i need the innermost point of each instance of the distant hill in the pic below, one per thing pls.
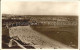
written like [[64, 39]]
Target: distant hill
[[12, 15]]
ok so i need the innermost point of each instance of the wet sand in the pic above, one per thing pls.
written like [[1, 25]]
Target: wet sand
[[67, 35]]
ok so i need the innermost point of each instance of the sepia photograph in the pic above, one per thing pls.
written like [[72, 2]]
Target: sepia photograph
[[39, 25]]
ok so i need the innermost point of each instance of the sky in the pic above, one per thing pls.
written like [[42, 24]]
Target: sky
[[39, 8]]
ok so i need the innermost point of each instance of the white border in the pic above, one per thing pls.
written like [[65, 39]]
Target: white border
[[45, 0], [79, 24], [0, 27], [40, 0]]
